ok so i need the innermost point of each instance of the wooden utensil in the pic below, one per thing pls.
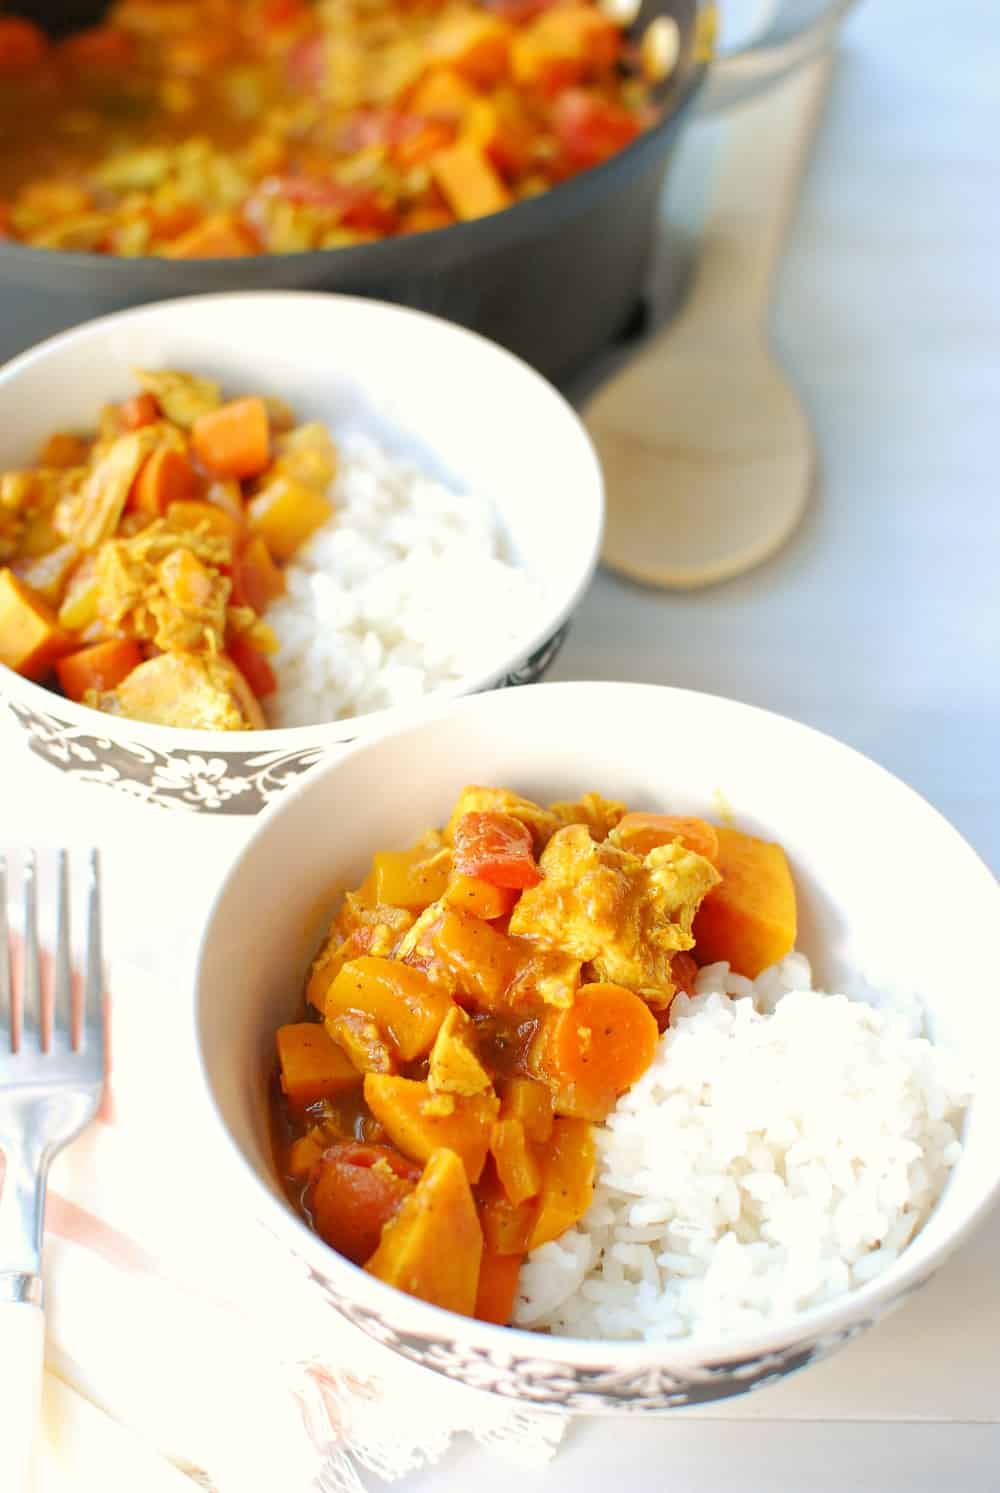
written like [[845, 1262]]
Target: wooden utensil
[[707, 453]]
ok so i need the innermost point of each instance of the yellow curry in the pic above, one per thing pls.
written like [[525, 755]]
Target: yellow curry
[[137, 561], [480, 1001], [218, 128]]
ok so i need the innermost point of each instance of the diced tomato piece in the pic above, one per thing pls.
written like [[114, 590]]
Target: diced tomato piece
[[590, 128], [22, 45], [141, 409], [358, 207], [254, 666], [354, 1191], [497, 848], [306, 64], [101, 46]]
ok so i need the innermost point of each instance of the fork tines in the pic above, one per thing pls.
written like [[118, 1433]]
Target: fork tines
[[28, 1022]]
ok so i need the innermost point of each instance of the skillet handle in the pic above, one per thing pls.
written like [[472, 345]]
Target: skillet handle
[[797, 31]]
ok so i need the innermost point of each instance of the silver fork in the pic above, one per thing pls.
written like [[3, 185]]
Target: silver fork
[[49, 1090]]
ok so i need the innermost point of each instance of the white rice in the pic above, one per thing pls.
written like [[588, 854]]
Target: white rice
[[404, 590], [783, 1148]]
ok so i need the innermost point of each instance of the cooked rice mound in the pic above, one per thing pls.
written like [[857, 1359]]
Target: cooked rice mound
[[783, 1148]]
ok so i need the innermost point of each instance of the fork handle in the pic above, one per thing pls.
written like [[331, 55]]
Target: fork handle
[[22, 1348]]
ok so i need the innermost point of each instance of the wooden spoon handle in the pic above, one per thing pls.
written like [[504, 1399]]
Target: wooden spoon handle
[[751, 202]]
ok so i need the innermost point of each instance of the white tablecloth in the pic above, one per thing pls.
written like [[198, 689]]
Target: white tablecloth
[[879, 623]]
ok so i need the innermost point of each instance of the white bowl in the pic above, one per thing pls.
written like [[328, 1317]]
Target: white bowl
[[888, 892], [474, 412]]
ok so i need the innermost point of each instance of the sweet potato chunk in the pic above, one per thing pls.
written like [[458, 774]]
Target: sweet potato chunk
[[354, 1191], [284, 514], [398, 997], [567, 1181], [530, 1102], [312, 1066], [434, 1245], [507, 1227], [516, 1163], [419, 1121], [749, 919], [641, 833], [411, 878], [30, 636], [468, 181], [480, 898], [481, 960]]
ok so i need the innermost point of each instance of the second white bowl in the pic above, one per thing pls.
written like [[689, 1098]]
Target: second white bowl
[[473, 412]]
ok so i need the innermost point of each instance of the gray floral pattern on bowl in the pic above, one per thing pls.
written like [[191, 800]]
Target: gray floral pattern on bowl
[[221, 783], [590, 1388]]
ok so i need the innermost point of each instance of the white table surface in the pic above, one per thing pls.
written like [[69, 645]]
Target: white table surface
[[879, 623]]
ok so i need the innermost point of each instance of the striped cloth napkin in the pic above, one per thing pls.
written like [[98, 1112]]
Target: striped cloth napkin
[[172, 1314]]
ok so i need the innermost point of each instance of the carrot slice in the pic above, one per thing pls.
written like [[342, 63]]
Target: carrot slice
[[141, 409], [254, 666], [234, 440], [101, 667], [165, 477], [597, 1048], [498, 1277]]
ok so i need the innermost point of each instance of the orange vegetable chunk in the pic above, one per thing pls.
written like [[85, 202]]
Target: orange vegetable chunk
[[30, 636], [219, 237], [507, 1227], [354, 1191], [596, 1049], [101, 667], [235, 439], [480, 898], [312, 1066], [165, 477], [434, 1245], [468, 181], [401, 999], [63, 450], [141, 409], [641, 833], [410, 878], [497, 848], [516, 1163], [22, 45], [750, 918], [257, 581], [481, 960], [529, 1101], [419, 1121], [567, 1181], [253, 664], [303, 1155], [285, 512], [498, 1278]]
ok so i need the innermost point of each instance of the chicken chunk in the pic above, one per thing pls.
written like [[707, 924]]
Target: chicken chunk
[[91, 513], [195, 691], [600, 815], [181, 396], [623, 915], [160, 585], [454, 1067]]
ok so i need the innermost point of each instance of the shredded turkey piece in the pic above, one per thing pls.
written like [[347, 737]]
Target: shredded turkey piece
[[624, 915]]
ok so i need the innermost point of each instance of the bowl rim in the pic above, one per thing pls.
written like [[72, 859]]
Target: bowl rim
[[856, 1309], [557, 607]]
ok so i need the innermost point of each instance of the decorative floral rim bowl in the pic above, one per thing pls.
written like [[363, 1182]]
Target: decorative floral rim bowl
[[470, 410], [860, 843]]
